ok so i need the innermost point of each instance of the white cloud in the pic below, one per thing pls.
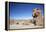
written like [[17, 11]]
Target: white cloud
[[25, 18]]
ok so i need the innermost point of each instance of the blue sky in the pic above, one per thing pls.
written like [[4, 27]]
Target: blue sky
[[23, 11]]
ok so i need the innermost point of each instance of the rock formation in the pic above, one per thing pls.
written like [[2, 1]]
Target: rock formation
[[37, 17]]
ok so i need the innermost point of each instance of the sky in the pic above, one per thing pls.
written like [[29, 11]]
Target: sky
[[23, 11]]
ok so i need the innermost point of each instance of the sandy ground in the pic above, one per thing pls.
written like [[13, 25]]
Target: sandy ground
[[22, 26]]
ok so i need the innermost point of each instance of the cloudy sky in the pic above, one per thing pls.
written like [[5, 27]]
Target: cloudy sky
[[23, 11]]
